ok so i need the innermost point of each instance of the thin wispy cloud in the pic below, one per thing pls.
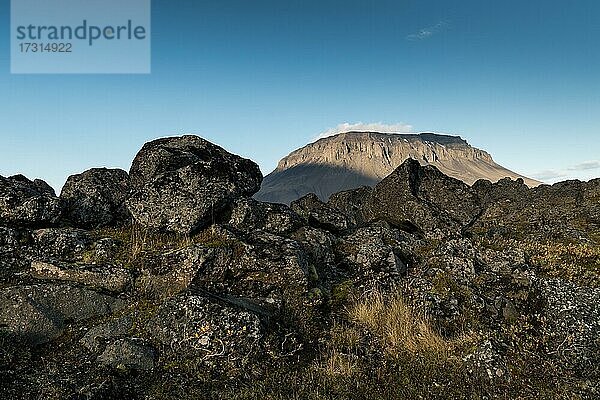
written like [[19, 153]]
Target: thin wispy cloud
[[585, 166], [549, 175], [571, 172], [366, 127], [428, 32]]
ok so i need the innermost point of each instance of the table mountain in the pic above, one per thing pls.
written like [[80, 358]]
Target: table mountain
[[354, 159]]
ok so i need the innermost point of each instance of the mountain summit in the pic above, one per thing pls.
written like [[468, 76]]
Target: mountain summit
[[354, 159]]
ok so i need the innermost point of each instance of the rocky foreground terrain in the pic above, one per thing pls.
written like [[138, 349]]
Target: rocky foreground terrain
[[353, 159], [171, 282]]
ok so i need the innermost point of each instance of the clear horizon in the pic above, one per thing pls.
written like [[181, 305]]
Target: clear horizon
[[261, 79]]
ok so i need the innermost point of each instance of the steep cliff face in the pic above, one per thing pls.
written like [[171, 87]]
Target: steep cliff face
[[353, 159]]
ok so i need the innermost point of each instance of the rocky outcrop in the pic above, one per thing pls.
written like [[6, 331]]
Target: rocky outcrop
[[354, 159], [376, 255], [173, 272], [444, 289], [564, 211], [28, 203], [422, 199], [95, 198], [182, 184], [65, 244], [261, 271]]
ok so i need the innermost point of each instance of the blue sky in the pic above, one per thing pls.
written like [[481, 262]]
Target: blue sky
[[261, 78]]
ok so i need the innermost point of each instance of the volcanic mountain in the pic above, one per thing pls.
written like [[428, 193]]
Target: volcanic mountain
[[353, 159]]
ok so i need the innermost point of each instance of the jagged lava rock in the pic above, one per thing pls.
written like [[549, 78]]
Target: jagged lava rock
[[249, 214], [172, 272], [376, 255], [95, 198], [565, 211], [61, 243], [128, 354], [261, 271], [319, 214], [28, 203], [421, 198], [97, 337], [106, 277], [182, 183], [350, 203]]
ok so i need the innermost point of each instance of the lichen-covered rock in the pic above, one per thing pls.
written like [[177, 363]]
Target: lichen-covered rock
[[350, 203], [39, 313], [318, 246], [95, 198], [107, 277], [264, 270], [565, 211], [9, 237], [65, 244], [222, 338], [172, 272], [376, 255], [249, 214], [182, 184], [13, 255], [319, 214], [572, 330], [28, 203], [128, 354]]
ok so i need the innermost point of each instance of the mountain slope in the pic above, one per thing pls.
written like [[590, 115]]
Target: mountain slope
[[353, 159]]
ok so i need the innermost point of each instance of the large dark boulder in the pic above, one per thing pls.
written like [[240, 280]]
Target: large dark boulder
[[28, 203], [95, 198], [350, 203], [181, 184], [422, 199]]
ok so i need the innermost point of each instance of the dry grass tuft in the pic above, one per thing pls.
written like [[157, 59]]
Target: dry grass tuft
[[340, 364], [401, 328]]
